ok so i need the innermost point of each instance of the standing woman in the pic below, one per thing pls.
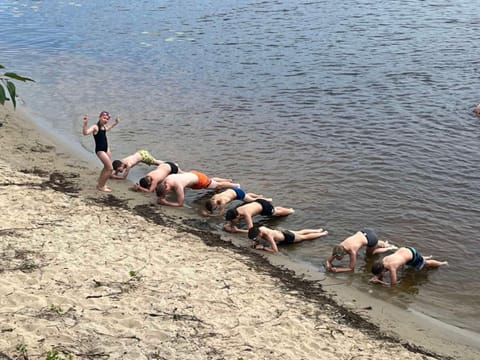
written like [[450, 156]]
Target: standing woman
[[99, 131]]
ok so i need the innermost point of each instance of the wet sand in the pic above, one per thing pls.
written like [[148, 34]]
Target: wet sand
[[100, 275]]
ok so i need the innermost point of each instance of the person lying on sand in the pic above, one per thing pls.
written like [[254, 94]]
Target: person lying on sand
[[277, 238]]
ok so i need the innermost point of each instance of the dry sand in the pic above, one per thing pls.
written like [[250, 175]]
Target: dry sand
[[91, 275]]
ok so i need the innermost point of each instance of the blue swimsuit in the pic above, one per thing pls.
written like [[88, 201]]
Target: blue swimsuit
[[417, 261], [240, 193]]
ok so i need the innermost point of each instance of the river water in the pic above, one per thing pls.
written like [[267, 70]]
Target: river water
[[356, 113]]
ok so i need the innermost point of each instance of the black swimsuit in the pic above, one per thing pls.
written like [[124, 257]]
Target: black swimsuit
[[173, 167], [289, 238], [101, 143], [267, 207]]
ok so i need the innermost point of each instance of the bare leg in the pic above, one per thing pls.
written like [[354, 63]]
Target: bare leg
[[105, 173], [309, 234], [282, 211], [382, 247], [221, 179], [218, 184], [249, 197], [435, 263]]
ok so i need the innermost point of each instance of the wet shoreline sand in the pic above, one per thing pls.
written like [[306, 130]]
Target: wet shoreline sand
[[111, 275]]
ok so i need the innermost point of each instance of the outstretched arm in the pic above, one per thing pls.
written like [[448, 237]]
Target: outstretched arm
[[115, 123], [88, 130]]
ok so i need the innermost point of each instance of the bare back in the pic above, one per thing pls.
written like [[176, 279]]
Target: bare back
[[224, 197], [250, 209], [397, 259], [132, 160], [276, 235], [160, 173], [354, 243], [177, 181]]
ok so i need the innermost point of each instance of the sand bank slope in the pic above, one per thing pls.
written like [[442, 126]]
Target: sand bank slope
[[97, 281]]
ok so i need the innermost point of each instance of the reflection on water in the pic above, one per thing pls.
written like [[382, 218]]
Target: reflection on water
[[357, 115]]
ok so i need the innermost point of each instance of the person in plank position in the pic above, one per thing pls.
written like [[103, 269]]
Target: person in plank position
[[122, 167], [220, 200], [352, 245], [192, 179], [277, 238], [409, 256], [246, 212]]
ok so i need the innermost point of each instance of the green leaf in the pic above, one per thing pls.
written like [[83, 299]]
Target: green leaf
[[15, 76], [2, 67], [12, 92], [3, 96]]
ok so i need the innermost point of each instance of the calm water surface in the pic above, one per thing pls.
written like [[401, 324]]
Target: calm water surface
[[355, 114]]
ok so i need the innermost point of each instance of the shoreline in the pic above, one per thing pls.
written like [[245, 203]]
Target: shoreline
[[255, 286]]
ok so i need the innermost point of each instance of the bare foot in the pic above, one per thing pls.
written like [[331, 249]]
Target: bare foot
[[389, 246], [104, 189]]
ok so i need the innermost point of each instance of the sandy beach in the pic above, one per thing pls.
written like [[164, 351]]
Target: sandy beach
[[99, 276]]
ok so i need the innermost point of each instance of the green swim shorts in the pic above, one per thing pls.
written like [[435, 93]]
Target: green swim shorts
[[147, 158]]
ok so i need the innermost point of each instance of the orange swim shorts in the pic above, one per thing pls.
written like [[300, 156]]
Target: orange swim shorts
[[203, 180]]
